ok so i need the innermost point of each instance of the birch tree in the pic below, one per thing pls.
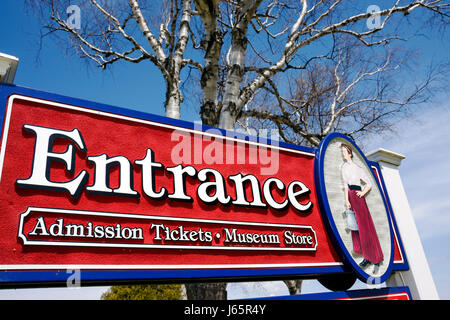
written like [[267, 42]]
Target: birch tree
[[243, 45], [345, 93], [284, 37], [114, 31], [242, 51]]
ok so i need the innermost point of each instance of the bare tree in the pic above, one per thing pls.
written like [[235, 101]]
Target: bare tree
[[246, 50], [290, 27], [118, 31], [350, 92], [281, 33]]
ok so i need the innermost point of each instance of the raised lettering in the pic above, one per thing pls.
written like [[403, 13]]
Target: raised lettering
[[43, 157]]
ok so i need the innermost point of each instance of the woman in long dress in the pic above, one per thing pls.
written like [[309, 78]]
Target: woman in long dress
[[365, 239]]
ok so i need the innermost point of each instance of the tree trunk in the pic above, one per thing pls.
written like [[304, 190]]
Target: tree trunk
[[294, 286], [231, 104], [174, 65], [206, 291], [230, 110], [210, 74], [208, 11], [173, 98]]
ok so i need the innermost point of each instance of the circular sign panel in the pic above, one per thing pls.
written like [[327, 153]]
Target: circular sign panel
[[354, 208]]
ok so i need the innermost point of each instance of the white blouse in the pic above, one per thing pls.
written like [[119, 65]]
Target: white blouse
[[352, 174]]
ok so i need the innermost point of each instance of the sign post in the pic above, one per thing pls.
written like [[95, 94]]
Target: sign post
[[418, 278]]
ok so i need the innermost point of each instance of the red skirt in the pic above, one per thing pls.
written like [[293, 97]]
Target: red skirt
[[365, 240]]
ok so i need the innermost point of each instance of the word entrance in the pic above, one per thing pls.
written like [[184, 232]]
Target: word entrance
[[211, 189]]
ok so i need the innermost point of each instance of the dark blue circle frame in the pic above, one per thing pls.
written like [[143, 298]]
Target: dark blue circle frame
[[325, 209]]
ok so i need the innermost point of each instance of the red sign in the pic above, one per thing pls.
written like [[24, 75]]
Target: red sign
[[101, 190], [388, 293], [388, 296], [124, 195]]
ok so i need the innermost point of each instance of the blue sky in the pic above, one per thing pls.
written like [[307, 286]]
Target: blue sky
[[423, 138]]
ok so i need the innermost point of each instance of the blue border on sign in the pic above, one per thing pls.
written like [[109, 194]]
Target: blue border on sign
[[328, 217], [351, 294], [28, 278]]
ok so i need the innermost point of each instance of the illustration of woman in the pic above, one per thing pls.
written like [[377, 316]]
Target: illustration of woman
[[365, 239]]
